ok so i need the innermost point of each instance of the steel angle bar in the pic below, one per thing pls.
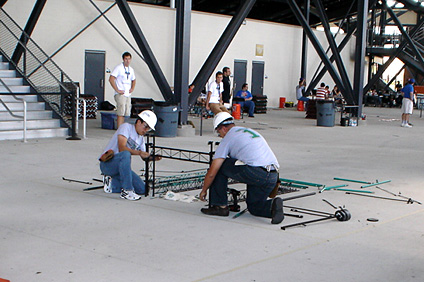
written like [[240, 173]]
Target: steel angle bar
[[301, 182], [379, 197], [352, 180], [353, 190], [374, 184], [332, 187]]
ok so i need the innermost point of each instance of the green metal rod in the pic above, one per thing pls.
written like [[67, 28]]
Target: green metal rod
[[377, 183], [332, 187], [352, 190], [301, 182], [293, 185], [351, 180]]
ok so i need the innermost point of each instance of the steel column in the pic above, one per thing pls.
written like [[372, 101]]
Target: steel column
[[145, 49], [304, 65], [2, 2], [29, 28], [360, 50], [393, 56], [317, 46], [219, 49], [182, 56], [340, 66], [405, 34]]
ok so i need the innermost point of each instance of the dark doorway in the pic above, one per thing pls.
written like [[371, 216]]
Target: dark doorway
[[94, 75], [258, 68], [240, 69]]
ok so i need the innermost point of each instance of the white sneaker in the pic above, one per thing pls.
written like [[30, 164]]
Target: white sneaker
[[107, 182], [407, 125], [130, 195], [402, 125]]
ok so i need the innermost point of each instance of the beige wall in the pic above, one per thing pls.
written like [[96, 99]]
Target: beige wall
[[61, 19]]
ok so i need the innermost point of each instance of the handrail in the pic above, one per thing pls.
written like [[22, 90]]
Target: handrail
[[24, 117]]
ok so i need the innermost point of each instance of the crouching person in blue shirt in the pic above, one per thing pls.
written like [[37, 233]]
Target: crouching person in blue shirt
[[115, 164], [259, 170]]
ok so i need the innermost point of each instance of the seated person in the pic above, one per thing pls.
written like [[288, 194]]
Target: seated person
[[300, 91], [247, 96]]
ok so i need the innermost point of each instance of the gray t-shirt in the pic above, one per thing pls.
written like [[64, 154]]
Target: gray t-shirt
[[299, 91], [134, 141], [246, 145]]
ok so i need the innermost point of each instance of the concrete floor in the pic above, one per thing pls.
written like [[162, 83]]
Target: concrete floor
[[50, 230]]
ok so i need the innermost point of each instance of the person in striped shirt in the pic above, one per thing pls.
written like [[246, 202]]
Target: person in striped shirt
[[321, 92]]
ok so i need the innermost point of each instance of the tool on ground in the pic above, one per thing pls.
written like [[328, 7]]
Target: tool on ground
[[398, 195], [301, 182], [324, 200], [353, 190], [376, 183], [77, 181], [409, 201], [341, 214], [352, 180]]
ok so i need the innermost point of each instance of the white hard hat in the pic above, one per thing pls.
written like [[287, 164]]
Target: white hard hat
[[149, 117], [222, 118]]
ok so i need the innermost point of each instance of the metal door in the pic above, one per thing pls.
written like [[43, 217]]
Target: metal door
[[240, 69], [258, 68], [94, 75]]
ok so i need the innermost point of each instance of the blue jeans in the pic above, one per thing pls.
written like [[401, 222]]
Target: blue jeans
[[259, 182], [250, 105], [119, 168]]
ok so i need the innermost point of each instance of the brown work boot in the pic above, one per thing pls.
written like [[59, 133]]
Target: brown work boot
[[216, 210]]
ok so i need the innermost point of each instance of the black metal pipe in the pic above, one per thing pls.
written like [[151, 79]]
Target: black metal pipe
[[305, 222], [304, 62], [219, 49]]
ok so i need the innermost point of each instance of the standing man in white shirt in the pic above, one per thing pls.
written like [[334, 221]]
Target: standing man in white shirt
[[122, 80]]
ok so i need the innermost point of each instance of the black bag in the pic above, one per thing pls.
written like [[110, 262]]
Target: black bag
[[106, 106]]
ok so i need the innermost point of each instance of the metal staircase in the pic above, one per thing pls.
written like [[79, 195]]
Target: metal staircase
[[40, 123]]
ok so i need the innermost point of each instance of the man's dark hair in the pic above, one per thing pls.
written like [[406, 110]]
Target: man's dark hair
[[218, 73], [244, 85], [224, 70], [322, 84], [126, 54]]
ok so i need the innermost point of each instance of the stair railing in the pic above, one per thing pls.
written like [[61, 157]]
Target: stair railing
[[24, 117], [44, 76]]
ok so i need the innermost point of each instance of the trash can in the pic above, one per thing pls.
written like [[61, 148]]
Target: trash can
[[167, 115], [108, 120], [325, 113]]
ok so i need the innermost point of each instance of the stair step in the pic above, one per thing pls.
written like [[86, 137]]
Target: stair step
[[34, 133], [30, 115], [13, 81], [18, 106], [31, 124], [9, 98], [7, 73], [4, 66], [15, 89]]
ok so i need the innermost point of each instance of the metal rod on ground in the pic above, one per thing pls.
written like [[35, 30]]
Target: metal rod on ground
[[78, 181], [332, 187], [301, 182], [374, 184], [398, 195], [98, 180], [306, 222], [240, 213], [351, 180], [92, 188], [379, 197], [309, 210], [310, 213], [330, 203], [353, 190]]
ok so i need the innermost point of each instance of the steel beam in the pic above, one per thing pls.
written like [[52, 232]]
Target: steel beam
[[394, 78], [2, 2], [321, 74], [340, 66], [304, 64], [219, 49], [395, 54], [317, 45], [145, 49], [360, 50], [405, 34], [29, 28], [182, 56]]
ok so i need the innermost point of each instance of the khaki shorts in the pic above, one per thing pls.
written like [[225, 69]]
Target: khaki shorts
[[216, 108], [123, 105], [407, 106]]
